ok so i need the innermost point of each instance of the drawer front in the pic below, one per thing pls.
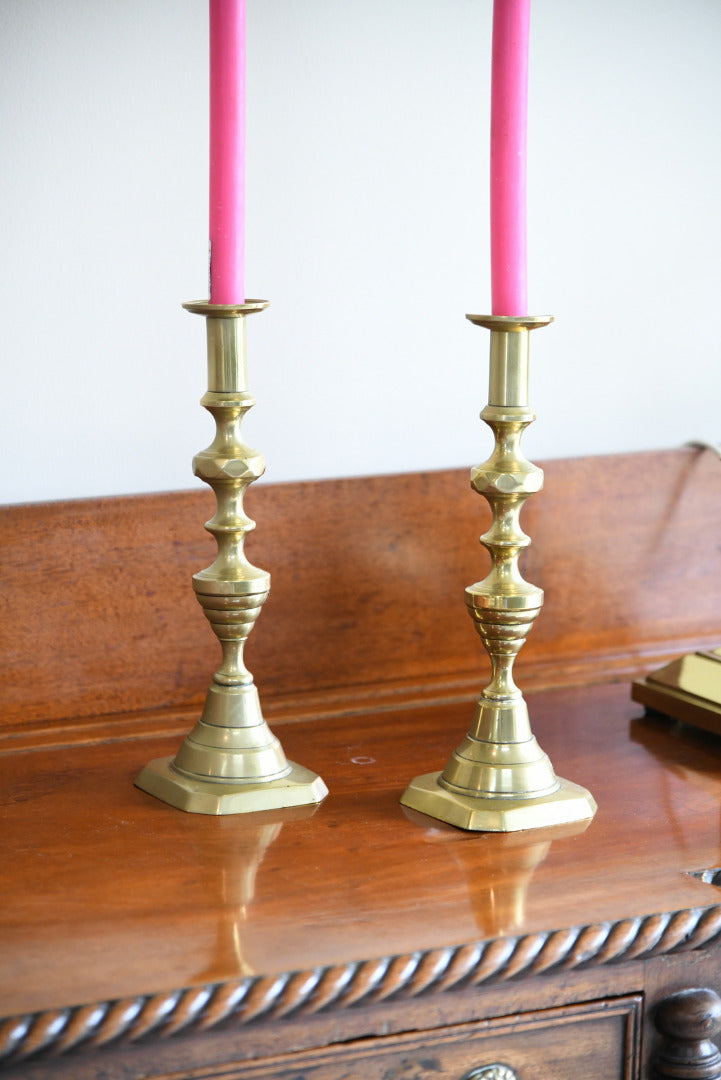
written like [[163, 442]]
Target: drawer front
[[596, 1041]]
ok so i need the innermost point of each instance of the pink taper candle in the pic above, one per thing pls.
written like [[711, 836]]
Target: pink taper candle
[[227, 151], [509, 116]]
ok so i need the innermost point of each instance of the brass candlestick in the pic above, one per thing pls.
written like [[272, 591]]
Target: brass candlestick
[[499, 779], [231, 762]]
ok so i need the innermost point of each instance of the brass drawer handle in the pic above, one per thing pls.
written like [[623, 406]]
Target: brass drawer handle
[[497, 1071]]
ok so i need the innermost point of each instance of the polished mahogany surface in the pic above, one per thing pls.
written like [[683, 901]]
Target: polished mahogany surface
[[138, 941], [366, 609], [107, 892]]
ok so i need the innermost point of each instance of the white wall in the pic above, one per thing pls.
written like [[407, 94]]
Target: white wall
[[367, 230]]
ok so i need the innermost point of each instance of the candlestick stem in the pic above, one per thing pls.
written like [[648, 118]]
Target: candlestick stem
[[499, 779], [231, 762]]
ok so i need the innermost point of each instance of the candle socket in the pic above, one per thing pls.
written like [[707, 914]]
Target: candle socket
[[231, 762], [499, 779]]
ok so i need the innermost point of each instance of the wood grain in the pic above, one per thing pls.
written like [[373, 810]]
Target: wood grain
[[558, 1044], [366, 606], [201, 922], [138, 941]]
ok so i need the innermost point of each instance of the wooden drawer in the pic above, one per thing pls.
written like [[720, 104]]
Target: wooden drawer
[[596, 1040]]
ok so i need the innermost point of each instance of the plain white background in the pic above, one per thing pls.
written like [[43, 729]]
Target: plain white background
[[367, 230]]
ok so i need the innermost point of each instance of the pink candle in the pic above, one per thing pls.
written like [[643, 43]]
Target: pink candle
[[509, 116], [227, 151]]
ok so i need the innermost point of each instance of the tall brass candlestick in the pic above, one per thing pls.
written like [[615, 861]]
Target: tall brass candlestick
[[499, 779], [231, 762]]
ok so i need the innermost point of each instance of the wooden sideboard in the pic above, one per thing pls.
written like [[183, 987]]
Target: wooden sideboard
[[361, 939]]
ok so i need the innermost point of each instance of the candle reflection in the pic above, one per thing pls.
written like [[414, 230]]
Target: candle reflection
[[497, 868], [689, 760], [243, 851]]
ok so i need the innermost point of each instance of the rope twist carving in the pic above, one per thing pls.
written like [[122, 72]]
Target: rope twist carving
[[253, 998]]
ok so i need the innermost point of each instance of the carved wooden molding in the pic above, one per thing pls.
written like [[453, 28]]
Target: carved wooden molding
[[323, 989]]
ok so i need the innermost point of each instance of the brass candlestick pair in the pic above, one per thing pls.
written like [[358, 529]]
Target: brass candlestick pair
[[498, 779]]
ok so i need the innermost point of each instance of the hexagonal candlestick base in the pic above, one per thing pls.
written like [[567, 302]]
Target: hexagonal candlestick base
[[568, 804], [299, 788]]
